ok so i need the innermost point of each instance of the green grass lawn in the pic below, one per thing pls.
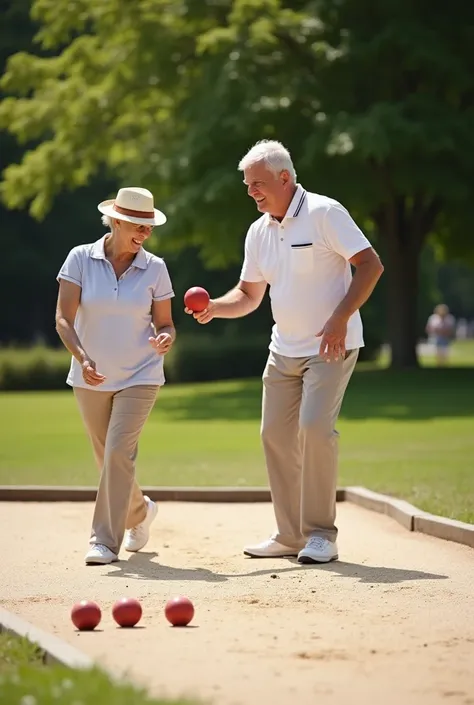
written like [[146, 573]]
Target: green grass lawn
[[408, 434], [461, 354], [25, 680]]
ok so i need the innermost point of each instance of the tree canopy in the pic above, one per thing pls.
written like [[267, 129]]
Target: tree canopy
[[374, 101]]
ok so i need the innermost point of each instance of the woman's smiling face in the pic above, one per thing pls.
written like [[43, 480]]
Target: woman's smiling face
[[132, 236]]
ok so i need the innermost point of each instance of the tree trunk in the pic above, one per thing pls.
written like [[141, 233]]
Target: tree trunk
[[402, 273], [402, 247]]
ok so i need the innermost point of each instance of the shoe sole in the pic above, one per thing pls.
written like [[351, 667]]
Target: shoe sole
[[95, 562], [135, 550], [307, 560], [273, 555]]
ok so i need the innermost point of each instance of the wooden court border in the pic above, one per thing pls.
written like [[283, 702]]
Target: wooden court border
[[405, 514]]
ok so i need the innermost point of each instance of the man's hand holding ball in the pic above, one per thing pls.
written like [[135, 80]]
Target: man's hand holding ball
[[198, 304]]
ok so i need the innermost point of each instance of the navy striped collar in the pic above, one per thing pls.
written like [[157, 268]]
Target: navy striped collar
[[297, 202], [295, 206]]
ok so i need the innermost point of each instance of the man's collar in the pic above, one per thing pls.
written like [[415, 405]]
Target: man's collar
[[98, 252], [295, 206], [296, 202]]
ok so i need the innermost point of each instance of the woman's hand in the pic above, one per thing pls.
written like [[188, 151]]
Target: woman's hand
[[162, 343], [90, 374]]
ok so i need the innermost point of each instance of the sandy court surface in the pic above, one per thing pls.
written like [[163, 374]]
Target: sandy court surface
[[391, 622]]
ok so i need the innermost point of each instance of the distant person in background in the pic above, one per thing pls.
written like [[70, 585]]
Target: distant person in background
[[462, 329], [302, 245], [441, 329], [114, 316]]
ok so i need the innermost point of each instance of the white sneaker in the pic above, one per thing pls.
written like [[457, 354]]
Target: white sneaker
[[100, 554], [318, 550], [137, 537], [270, 549]]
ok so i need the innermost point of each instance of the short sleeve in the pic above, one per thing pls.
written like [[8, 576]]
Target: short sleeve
[[163, 288], [72, 267], [341, 232], [250, 271]]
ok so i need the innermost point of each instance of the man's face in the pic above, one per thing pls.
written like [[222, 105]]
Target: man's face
[[271, 193]]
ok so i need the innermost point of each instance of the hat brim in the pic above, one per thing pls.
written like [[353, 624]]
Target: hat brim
[[106, 207]]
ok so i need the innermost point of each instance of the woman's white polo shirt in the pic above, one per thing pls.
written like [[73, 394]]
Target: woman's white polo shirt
[[114, 318]]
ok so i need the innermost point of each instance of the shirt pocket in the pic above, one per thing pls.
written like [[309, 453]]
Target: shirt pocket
[[302, 258]]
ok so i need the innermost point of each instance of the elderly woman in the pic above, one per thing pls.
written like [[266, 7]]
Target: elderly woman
[[114, 316]]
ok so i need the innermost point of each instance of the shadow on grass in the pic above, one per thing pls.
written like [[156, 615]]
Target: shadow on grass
[[141, 566], [376, 394]]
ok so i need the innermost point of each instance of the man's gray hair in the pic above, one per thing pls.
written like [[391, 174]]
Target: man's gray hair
[[276, 157]]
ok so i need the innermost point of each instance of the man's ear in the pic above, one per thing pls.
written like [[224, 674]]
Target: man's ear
[[285, 177]]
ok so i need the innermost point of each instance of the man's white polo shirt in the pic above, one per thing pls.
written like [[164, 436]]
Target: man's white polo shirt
[[114, 320], [304, 259]]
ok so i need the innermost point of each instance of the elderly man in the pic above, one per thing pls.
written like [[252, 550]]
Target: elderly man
[[302, 246]]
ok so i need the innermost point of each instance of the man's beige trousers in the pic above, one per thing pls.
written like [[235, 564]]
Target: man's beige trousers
[[302, 398]]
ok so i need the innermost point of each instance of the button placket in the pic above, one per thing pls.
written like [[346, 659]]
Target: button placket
[[281, 228], [111, 269]]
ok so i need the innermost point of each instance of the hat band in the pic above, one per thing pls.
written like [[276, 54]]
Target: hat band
[[133, 213]]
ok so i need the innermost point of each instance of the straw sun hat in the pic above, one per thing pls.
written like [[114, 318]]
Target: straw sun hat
[[134, 205]]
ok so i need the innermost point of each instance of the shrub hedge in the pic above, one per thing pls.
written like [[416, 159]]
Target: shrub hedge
[[198, 357]]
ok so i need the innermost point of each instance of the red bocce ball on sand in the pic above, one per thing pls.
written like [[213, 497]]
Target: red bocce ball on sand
[[127, 612], [179, 611], [86, 615]]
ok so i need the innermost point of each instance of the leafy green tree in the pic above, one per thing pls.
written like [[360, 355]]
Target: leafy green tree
[[33, 250], [374, 100]]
